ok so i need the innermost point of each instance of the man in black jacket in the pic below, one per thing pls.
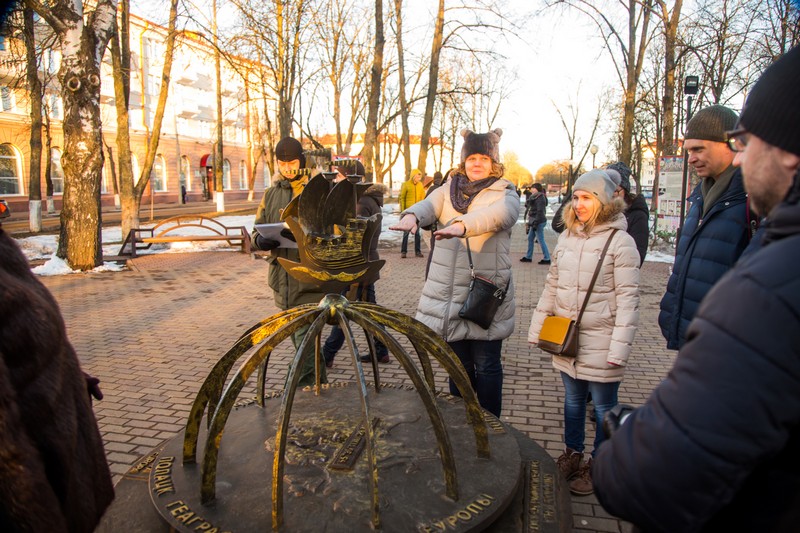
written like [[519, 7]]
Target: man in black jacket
[[715, 446]]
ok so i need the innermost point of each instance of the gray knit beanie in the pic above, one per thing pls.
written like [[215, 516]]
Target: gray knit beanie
[[772, 111], [598, 183], [711, 124]]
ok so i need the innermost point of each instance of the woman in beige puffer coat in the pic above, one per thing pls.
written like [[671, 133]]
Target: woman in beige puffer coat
[[475, 204], [609, 321]]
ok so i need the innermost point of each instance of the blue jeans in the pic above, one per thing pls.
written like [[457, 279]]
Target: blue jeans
[[539, 235], [404, 244], [481, 360], [604, 396], [335, 339]]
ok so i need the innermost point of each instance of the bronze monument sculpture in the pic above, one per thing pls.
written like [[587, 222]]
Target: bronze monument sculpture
[[350, 456]]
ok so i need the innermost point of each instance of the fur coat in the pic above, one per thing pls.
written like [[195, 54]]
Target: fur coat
[[53, 471]]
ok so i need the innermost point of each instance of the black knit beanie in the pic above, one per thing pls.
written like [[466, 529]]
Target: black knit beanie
[[711, 124], [624, 173], [289, 149], [487, 144], [772, 111]]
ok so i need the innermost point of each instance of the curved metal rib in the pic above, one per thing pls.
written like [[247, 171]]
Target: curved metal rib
[[436, 346], [427, 395], [211, 389], [229, 397]]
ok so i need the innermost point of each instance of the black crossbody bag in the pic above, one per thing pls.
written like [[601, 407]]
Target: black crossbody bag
[[484, 298]]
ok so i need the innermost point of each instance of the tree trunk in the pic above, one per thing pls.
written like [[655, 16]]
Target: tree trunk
[[48, 168], [670, 38], [121, 61], [81, 218], [433, 81], [35, 91], [371, 136], [401, 73]]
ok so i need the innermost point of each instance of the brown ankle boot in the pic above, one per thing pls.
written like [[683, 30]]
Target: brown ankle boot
[[569, 463], [582, 484]]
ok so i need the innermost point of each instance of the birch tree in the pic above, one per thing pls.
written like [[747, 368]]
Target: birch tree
[[82, 41]]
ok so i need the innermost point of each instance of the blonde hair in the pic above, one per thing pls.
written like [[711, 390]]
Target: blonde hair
[[602, 213]]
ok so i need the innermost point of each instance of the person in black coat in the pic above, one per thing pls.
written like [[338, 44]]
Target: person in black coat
[[715, 446], [636, 212], [369, 205]]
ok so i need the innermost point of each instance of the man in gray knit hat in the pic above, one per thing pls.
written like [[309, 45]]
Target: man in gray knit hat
[[717, 228]]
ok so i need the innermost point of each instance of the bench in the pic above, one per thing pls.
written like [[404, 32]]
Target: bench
[[170, 230]]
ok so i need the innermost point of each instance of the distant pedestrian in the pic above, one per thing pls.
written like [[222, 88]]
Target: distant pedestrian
[[610, 319], [411, 192], [536, 219]]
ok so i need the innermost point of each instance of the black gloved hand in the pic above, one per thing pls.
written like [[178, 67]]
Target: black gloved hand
[[93, 387], [286, 233], [265, 244], [615, 418]]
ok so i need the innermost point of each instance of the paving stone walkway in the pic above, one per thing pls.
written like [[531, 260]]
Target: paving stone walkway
[[152, 333]]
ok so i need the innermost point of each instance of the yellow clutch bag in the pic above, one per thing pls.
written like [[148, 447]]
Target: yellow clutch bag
[[559, 336]]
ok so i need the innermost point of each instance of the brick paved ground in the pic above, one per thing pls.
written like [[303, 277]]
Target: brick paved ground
[[151, 334]]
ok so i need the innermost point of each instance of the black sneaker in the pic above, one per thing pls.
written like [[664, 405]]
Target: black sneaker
[[544, 262], [526, 260]]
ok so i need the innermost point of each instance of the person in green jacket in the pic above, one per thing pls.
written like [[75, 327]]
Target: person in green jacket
[[411, 192], [287, 291]]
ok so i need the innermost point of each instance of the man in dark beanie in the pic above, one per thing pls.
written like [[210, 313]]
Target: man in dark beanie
[[715, 446], [717, 227], [288, 182], [636, 211]]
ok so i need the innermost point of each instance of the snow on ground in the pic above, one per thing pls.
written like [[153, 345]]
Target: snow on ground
[[44, 247]]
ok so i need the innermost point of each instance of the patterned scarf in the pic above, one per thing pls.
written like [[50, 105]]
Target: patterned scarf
[[463, 191]]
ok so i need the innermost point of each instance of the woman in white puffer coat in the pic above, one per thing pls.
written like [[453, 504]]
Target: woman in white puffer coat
[[609, 322], [477, 205]]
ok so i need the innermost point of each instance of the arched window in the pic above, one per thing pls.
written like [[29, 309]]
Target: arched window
[[56, 171], [186, 173], [10, 170], [158, 176], [242, 175], [226, 174]]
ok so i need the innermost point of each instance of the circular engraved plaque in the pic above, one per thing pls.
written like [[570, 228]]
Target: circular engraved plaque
[[326, 473]]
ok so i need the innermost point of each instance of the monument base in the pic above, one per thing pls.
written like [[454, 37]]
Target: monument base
[[326, 476]]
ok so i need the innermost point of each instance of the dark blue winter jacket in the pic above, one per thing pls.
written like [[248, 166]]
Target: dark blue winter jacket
[[715, 446], [707, 249]]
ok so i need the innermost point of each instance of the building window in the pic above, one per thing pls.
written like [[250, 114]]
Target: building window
[[153, 84], [2, 43], [186, 173], [265, 172], [158, 176], [242, 175], [5, 95], [55, 107], [10, 170], [56, 171], [226, 174]]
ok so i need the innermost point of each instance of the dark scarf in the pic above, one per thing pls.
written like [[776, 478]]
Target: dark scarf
[[463, 191], [784, 219]]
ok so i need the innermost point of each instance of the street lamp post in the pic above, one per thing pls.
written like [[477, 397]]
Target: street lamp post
[[690, 87], [593, 150]]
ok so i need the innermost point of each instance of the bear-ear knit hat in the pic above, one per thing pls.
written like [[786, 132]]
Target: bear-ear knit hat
[[624, 172], [481, 143], [598, 183], [711, 124], [772, 110], [289, 149]]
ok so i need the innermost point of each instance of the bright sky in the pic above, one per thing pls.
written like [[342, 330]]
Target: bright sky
[[552, 57]]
